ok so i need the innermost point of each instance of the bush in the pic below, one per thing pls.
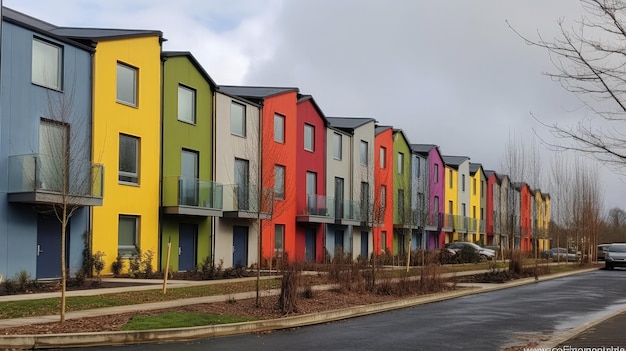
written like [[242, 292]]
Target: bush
[[98, 262], [468, 255], [117, 266]]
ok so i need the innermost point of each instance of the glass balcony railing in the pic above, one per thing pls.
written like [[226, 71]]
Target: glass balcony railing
[[41, 173], [247, 198], [183, 191], [349, 210], [318, 205], [448, 220]]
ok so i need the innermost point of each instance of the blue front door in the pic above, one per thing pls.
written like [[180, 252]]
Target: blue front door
[[48, 246], [240, 246], [309, 247], [364, 248], [187, 244], [339, 240]]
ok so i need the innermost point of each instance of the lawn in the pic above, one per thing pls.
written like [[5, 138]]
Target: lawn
[[180, 320]]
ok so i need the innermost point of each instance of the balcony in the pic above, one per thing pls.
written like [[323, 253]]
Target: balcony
[[472, 224], [244, 202], [192, 197], [460, 223], [408, 220], [448, 222], [38, 179], [317, 209], [481, 226], [349, 213]]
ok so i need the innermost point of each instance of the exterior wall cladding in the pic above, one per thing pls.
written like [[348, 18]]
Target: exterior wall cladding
[[320, 209]]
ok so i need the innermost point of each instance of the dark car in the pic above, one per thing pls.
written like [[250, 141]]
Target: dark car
[[561, 254], [615, 256], [485, 254]]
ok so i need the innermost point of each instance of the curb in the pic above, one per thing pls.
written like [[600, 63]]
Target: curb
[[42, 341]]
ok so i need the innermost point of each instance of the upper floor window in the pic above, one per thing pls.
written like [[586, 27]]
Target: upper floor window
[[383, 197], [419, 167], [462, 182], [309, 137], [279, 182], [337, 147], [126, 84], [482, 187], [436, 173], [451, 183], [47, 67], [237, 119], [383, 157], [279, 128], [129, 159], [364, 152], [186, 104], [474, 186], [400, 163]]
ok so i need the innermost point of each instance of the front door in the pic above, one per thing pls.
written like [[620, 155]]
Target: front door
[[187, 246], [309, 247], [364, 242], [48, 246], [240, 246]]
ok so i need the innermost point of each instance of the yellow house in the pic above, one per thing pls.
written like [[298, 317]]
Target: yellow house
[[451, 198], [478, 198], [126, 138], [543, 221]]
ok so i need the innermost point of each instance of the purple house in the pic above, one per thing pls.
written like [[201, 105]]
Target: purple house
[[436, 192]]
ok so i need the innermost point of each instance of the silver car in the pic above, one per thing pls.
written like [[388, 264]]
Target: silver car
[[615, 256]]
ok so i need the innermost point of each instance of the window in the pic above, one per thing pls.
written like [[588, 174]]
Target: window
[[401, 203], [383, 240], [365, 200], [279, 182], [450, 179], [47, 64], [482, 187], [450, 207], [383, 157], [242, 180], [127, 230], [279, 238], [279, 128], [383, 197], [186, 104], [337, 146], [474, 186], [436, 204], [463, 182], [237, 119], [129, 159], [436, 173], [188, 183], [473, 211], [364, 150], [463, 210], [126, 84], [309, 137], [400, 163], [419, 167]]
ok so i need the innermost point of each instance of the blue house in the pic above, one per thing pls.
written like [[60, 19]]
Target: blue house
[[45, 148]]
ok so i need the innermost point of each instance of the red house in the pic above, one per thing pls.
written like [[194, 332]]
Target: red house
[[313, 208]]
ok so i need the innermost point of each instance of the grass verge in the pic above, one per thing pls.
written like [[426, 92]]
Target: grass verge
[[44, 307], [180, 320]]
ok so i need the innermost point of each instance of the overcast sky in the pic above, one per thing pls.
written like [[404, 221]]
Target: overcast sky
[[450, 73]]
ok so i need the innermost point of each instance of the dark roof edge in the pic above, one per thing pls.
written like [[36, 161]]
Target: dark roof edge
[[307, 97], [195, 62]]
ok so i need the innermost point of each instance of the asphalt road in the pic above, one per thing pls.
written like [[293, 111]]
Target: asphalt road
[[489, 321]]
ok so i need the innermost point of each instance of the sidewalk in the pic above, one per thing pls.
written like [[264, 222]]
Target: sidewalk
[[113, 338]]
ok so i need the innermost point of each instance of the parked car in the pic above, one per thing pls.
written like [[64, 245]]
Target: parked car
[[601, 251], [561, 254], [485, 254], [615, 256]]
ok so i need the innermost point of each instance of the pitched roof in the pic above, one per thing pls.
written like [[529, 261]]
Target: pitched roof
[[38, 26], [254, 93], [423, 149], [193, 60], [349, 124], [473, 167], [454, 161], [380, 129], [502, 176], [397, 130], [100, 34], [489, 172], [304, 97]]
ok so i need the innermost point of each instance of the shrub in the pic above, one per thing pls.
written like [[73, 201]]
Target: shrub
[[468, 255], [98, 262], [117, 266]]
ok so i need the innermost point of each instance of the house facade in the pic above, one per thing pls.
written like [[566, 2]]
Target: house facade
[[403, 216], [189, 196], [45, 149], [314, 207], [436, 218], [383, 193]]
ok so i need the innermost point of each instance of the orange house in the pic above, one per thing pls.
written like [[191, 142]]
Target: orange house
[[383, 185], [278, 166]]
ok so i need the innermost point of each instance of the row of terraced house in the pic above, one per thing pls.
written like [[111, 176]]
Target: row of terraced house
[[147, 150]]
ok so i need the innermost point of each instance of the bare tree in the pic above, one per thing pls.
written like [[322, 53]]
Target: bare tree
[[63, 167], [589, 60]]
